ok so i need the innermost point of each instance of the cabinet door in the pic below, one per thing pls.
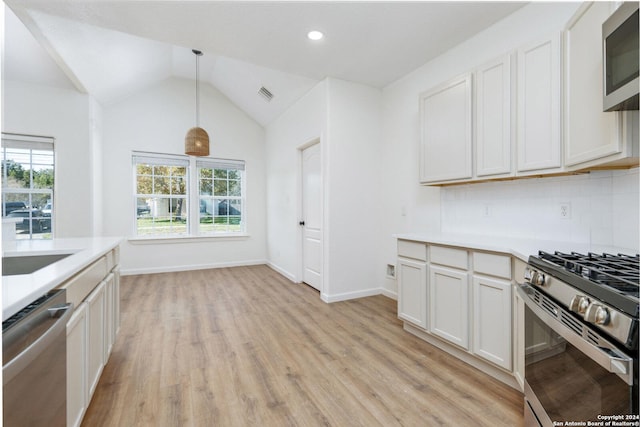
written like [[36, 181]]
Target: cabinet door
[[518, 339], [412, 292], [590, 133], [109, 321], [492, 320], [445, 114], [116, 302], [449, 305], [539, 131], [493, 118], [96, 321], [77, 366]]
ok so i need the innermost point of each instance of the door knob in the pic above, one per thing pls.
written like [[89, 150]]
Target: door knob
[[301, 223]]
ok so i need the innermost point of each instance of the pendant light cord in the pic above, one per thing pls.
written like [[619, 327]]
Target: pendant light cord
[[198, 54]]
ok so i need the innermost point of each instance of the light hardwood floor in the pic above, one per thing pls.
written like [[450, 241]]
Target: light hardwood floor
[[246, 347]]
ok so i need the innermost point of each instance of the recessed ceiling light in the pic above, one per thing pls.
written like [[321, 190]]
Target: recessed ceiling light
[[315, 35]]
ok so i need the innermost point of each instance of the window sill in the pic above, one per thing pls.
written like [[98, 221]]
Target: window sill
[[152, 240]]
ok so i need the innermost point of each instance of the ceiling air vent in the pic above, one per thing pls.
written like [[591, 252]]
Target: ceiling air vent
[[265, 93]]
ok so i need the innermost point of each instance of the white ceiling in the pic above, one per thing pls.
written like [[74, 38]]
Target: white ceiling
[[112, 49]]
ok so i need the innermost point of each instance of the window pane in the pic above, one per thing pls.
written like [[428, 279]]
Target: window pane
[[220, 173], [161, 185], [234, 174], [144, 184], [144, 169], [206, 173], [234, 188], [206, 187], [220, 187], [178, 186]]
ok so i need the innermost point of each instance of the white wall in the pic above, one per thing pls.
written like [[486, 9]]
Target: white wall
[[156, 120], [64, 115], [415, 208], [301, 124], [346, 117], [354, 198]]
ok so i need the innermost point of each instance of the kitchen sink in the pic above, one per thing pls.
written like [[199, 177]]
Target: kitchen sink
[[15, 265]]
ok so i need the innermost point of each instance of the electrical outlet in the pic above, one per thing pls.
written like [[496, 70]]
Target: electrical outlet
[[486, 211], [565, 210]]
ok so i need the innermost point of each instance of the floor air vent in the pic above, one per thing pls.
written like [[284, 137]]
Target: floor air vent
[[265, 93]]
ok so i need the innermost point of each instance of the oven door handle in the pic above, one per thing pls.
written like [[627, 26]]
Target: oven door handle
[[609, 358]]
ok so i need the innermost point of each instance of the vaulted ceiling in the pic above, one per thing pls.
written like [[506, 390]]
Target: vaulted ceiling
[[112, 49]]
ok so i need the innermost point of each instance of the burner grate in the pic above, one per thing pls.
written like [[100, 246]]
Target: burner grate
[[620, 272]]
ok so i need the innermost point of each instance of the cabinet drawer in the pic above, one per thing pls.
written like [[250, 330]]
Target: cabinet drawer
[[448, 256], [492, 264], [83, 283], [413, 250]]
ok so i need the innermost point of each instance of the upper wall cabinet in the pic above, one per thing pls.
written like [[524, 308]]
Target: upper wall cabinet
[[539, 142], [493, 118], [446, 134], [591, 137]]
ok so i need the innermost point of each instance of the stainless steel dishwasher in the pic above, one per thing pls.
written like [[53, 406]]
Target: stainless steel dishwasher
[[34, 363]]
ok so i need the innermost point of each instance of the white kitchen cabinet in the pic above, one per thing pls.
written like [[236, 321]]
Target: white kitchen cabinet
[[91, 331], [539, 142], [518, 339], [449, 304], [96, 335], [77, 366], [412, 282], [592, 137], [492, 320], [493, 118], [109, 315], [446, 131], [412, 291]]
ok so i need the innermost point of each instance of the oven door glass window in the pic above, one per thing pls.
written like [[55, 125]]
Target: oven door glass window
[[568, 384]]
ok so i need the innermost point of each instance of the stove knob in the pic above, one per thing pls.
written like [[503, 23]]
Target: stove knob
[[597, 314], [579, 304], [538, 279]]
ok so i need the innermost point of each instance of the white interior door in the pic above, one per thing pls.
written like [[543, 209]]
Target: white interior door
[[311, 216]]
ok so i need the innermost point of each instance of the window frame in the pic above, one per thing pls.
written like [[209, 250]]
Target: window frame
[[194, 229], [31, 143]]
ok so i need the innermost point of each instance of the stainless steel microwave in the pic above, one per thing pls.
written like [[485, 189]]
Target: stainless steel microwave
[[621, 58]]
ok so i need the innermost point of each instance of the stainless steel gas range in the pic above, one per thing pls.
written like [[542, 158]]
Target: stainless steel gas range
[[581, 339]]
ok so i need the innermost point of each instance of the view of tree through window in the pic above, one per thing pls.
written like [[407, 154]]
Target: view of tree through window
[[27, 184], [220, 200], [161, 195], [163, 198]]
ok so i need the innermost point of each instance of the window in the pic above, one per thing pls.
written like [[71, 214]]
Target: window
[[165, 205], [220, 186], [27, 184]]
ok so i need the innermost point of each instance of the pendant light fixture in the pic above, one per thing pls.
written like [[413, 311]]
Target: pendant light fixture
[[196, 143]]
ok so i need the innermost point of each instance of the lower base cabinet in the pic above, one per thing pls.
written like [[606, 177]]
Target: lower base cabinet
[[412, 295], [77, 365], [461, 300], [91, 332], [449, 305], [492, 320]]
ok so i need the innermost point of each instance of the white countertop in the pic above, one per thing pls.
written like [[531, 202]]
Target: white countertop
[[519, 248], [20, 290]]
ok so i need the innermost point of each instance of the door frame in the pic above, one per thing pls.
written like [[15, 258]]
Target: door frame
[[299, 213]]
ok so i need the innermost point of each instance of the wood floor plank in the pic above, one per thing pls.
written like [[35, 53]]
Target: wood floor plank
[[244, 346]]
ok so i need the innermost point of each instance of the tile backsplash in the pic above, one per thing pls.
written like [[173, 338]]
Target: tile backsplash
[[600, 208]]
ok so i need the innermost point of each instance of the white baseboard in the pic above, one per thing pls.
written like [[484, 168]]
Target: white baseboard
[[282, 271], [172, 269], [389, 294], [350, 295]]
